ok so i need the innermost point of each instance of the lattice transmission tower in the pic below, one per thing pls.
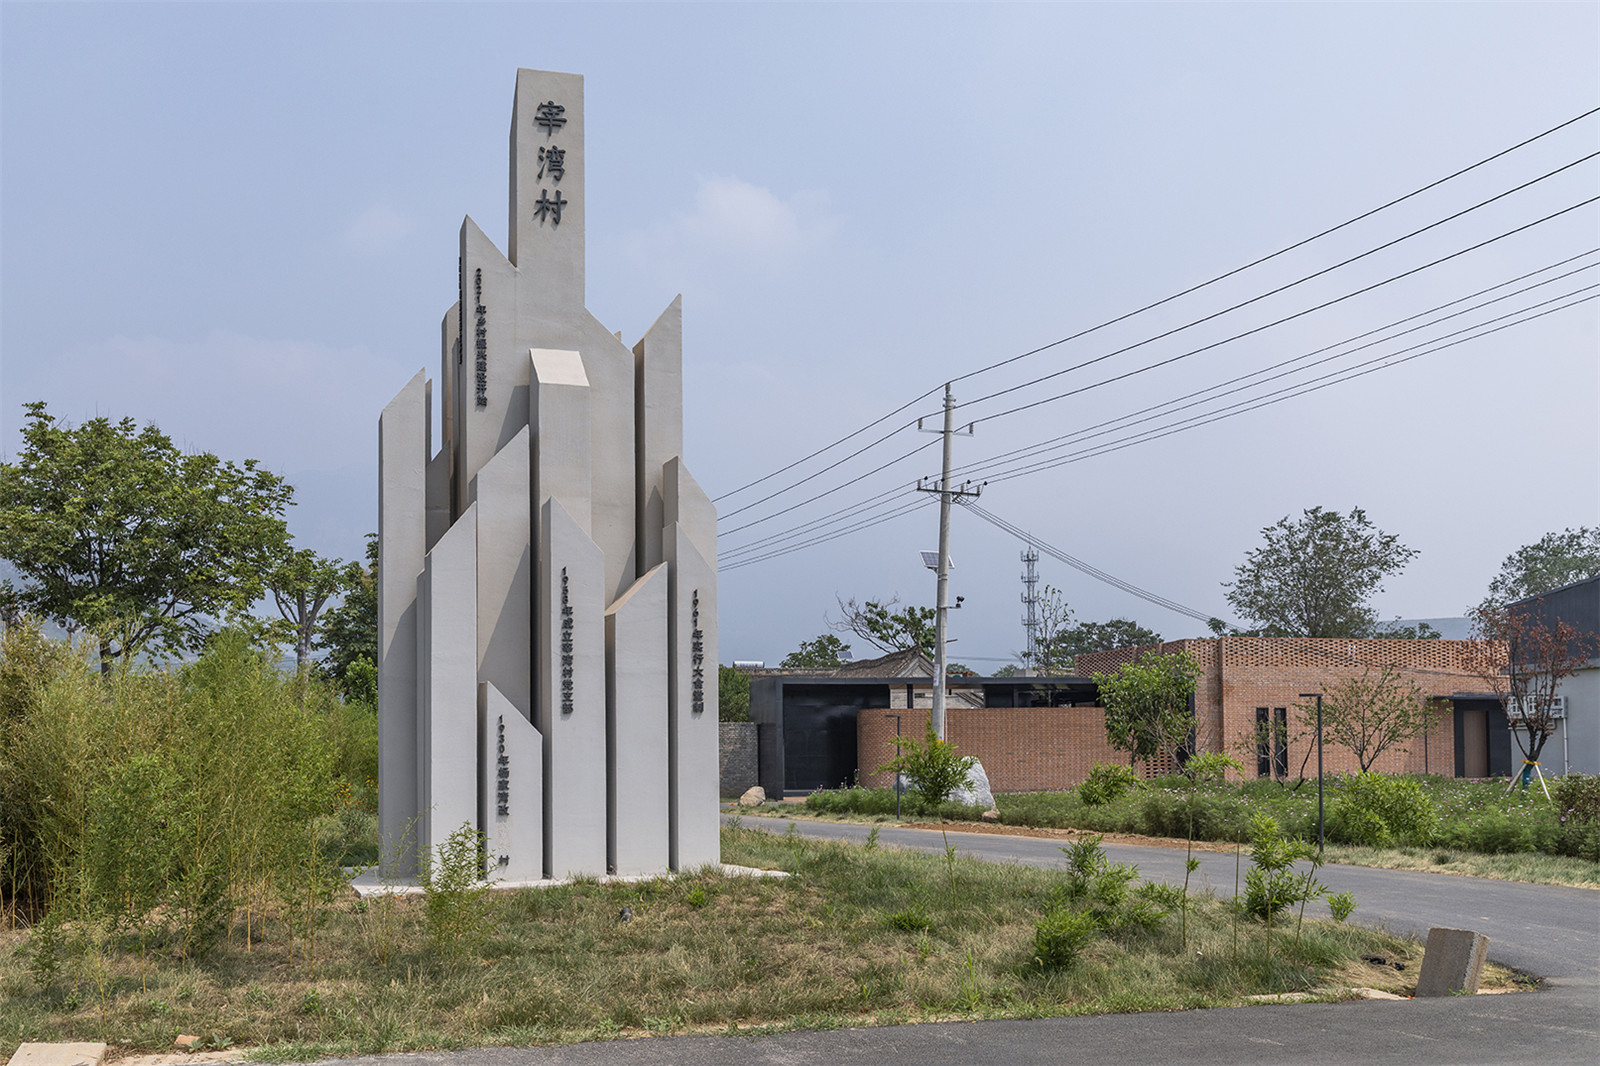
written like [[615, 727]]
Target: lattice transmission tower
[[1030, 602]]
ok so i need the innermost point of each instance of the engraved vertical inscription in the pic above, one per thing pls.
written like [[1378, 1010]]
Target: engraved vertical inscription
[[502, 775], [480, 339], [550, 117], [566, 645], [697, 656]]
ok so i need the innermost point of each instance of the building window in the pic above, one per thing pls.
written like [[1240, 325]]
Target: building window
[[1263, 743], [1280, 741], [1272, 742]]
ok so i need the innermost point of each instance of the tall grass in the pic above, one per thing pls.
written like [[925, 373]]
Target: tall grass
[[182, 804]]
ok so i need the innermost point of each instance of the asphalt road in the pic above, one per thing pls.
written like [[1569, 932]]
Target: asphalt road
[[1550, 931]]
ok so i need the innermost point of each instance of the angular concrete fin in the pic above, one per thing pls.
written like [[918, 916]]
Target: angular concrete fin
[[402, 544], [570, 682], [447, 736], [491, 391], [559, 413], [636, 727], [658, 423], [449, 357], [609, 365], [511, 808], [686, 503], [692, 733], [506, 573], [438, 520]]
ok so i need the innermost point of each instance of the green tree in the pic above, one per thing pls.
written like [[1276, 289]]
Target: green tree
[[301, 585], [1085, 637], [1146, 704], [1314, 577], [1553, 561], [886, 629], [1367, 714], [822, 653], [733, 694], [114, 530], [350, 631]]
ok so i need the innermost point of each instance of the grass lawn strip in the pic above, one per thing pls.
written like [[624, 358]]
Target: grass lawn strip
[[857, 936]]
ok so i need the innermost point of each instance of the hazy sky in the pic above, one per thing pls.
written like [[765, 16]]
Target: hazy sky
[[240, 222]]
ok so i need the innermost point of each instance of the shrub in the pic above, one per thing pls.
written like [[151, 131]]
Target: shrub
[[932, 767], [1271, 885], [1106, 782], [1060, 936], [1341, 905], [455, 896], [1379, 811]]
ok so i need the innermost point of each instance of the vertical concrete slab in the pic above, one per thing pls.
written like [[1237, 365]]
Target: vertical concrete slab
[[449, 382], [687, 504], [402, 499], [512, 799], [546, 234], [447, 740], [692, 732], [570, 688], [636, 727], [438, 490], [492, 403], [609, 366], [505, 573], [559, 416], [658, 428]]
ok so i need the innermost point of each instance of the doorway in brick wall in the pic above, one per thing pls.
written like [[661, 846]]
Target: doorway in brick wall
[[1483, 739]]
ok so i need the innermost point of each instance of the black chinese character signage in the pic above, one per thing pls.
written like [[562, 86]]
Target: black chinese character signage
[[697, 657], [566, 645], [550, 117], [480, 339], [502, 794]]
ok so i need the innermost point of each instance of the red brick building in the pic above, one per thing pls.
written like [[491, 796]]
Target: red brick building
[[1244, 704], [1249, 687]]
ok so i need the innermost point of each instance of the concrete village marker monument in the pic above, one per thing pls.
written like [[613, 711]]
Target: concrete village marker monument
[[547, 593]]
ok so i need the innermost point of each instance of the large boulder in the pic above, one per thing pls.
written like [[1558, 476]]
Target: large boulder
[[754, 796], [975, 793]]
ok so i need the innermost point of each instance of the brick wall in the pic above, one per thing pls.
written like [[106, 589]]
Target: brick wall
[[1241, 674], [1023, 749]]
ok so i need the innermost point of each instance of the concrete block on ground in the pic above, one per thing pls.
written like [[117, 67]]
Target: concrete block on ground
[[1452, 963], [39, 1054]]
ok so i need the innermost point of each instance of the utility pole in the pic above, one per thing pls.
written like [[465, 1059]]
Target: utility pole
[[942, 604]]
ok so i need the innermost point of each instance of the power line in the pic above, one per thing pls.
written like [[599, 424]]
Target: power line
[[1083, 567], [1176, 358], [1149, 366], [1348, 374], [1277, 322], [1292, 284], [841, 515], [1167, 299], [917, 506], [1157, 433], [1123, 421]]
